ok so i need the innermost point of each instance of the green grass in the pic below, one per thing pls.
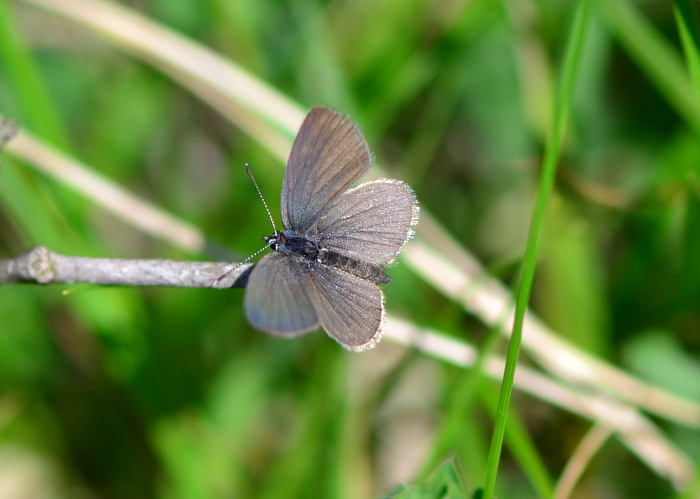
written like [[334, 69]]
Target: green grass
[[578, 121]]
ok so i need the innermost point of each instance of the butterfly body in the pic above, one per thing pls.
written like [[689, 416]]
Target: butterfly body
[[295, 246], [304, 249]]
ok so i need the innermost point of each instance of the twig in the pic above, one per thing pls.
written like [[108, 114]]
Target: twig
[[8, 129], [42, 266], [581, 458], [635, 430]]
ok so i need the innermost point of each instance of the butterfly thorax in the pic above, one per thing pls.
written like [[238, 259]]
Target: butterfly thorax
[[289, 243]]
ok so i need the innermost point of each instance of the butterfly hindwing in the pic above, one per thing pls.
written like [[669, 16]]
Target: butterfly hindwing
[[349, 308], [276, 300], [369, 223]]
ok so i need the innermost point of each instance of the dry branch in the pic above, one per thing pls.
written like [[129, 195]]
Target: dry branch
[[42, 266]]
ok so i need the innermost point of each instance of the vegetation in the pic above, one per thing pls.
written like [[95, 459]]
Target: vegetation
[[554, 144]]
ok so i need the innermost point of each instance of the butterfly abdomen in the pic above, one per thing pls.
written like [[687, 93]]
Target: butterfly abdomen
[[369, 271]]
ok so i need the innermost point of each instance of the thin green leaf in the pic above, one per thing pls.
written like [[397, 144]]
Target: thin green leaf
[[551, 158]]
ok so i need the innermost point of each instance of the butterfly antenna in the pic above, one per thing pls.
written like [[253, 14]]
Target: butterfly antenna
[[222, 276], [250, 174]]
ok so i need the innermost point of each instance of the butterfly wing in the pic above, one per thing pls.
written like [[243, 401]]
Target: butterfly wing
[[275, 299], [369, 223], [329, 154], [350, 309]]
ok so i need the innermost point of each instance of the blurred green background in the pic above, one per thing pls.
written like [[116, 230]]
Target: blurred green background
[[111, 392]]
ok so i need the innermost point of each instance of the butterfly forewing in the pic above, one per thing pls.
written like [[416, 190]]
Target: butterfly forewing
[[369, 223], [350, 309], [275, 299], [329, 155]]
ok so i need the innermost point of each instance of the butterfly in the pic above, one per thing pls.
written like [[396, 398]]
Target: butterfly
[[328, 261]]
